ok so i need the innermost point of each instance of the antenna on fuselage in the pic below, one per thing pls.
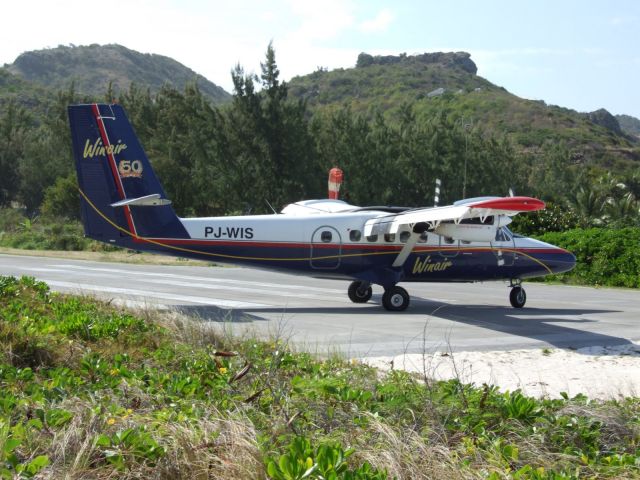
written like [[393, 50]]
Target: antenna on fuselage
[[436, 196], [272, 209]]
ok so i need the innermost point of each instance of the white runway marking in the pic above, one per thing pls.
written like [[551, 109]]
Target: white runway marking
[[203, 279], [247, 289], [149, 294]]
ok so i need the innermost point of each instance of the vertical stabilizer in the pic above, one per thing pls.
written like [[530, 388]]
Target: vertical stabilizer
[[114, 174]]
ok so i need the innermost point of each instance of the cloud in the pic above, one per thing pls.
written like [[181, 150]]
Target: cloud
[[623, 20], [380, 23]]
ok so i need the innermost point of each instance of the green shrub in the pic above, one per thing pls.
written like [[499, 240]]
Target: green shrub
[[605, 256]]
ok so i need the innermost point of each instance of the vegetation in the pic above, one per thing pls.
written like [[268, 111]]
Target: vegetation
[[118, 67], [606, 257], [43, 233], [91, 391], [446, 84], [629, 124]]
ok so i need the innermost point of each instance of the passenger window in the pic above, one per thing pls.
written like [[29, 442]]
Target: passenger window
[[326, 236], [372, 238], [355, 235], [389, 237], [404, 237], [424, 236]]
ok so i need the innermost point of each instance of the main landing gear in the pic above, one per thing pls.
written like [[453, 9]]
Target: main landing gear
[[394, 299], [517, 296], [360, 292]]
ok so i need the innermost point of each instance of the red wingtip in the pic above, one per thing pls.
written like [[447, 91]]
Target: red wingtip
[[516, 204]]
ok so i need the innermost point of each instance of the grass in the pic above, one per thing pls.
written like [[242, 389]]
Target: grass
[[88, 390], [47, 236]]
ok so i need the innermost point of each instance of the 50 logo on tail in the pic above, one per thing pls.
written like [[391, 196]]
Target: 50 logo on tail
[[130, 168]]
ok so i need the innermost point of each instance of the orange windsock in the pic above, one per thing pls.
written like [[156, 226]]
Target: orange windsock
[[335, 180]]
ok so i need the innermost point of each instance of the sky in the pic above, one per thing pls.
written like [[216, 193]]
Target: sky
[[583, 55]]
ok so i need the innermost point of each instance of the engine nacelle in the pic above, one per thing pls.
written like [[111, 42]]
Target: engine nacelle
[[473, 229]]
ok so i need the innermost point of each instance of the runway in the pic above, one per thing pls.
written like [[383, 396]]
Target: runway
[[317, 315]]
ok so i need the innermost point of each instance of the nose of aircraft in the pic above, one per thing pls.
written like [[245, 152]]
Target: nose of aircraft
[[562, 261]]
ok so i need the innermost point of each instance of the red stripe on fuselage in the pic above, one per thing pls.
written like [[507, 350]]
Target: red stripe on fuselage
[[114, 167]]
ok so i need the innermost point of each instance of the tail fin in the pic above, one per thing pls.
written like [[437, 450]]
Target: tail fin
[[122, 199]]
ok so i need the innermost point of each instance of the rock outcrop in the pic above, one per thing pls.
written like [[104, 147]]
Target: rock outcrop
[[460, 60]]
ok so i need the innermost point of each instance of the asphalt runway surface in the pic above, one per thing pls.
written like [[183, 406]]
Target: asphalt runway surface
[[316, 314]]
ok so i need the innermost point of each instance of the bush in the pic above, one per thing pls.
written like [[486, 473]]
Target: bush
[[605, 256], [45, 232]]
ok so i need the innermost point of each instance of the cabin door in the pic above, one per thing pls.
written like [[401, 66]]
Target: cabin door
[[326, 248]]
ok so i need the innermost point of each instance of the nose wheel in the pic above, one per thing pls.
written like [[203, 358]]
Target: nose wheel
[[518, 297], [395, 299]]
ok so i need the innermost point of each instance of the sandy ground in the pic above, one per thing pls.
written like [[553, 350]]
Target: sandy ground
[[598, 372]]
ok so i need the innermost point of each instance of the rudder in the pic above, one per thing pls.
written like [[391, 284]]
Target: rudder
[[113, 168]]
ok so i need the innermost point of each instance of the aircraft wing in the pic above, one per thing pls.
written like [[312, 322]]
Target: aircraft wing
[[473, 208], [430, 218]]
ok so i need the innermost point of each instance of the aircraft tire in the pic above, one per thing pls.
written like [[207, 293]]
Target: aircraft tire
[[518, 297], [357, 295], [395, 299]]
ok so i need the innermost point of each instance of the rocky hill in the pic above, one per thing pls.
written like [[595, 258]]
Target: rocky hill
[[630, 125], [386, 81], [447, 83], [93, 67]]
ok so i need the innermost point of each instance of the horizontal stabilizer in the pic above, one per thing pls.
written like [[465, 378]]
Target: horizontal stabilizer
[[152, 200]]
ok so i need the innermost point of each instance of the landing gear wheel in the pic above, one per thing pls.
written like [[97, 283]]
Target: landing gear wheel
[[395, 299], [360, 292], [518, 297]]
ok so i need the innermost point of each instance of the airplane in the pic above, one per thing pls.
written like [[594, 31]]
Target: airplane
[[124, 204]]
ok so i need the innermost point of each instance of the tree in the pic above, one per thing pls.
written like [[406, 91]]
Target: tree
[[14, 125], [267, 143]]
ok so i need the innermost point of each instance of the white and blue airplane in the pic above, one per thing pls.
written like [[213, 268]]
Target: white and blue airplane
[[124, 204]]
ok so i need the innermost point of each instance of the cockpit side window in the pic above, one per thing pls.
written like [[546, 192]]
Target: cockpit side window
[[503, 235]]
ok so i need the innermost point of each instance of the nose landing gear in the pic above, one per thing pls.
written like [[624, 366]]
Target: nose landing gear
[[517, 296]]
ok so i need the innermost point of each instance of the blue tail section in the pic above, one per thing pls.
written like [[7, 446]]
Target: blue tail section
[[122, 199]]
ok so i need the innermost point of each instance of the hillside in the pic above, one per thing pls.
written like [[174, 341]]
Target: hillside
[[28, 94], [93, 67], [630, 125], [448, 83]]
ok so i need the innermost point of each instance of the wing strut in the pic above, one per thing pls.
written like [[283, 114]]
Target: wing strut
[[416, 231]]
